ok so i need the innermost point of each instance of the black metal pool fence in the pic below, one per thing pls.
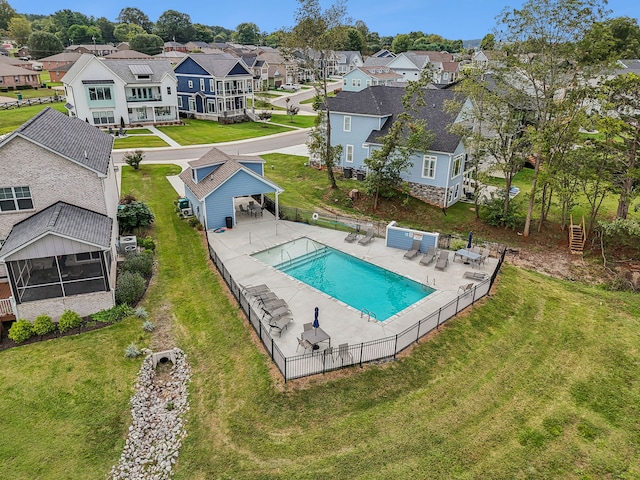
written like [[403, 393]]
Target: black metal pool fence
[[380, 350]]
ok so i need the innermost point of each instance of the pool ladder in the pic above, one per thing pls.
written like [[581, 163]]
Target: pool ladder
[[369, 314], [282, 257]]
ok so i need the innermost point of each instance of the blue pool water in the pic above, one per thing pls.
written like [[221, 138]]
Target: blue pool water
[[353, 281]]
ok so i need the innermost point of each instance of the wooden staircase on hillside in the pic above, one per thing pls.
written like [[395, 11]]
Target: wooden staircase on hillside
[[577, 237]]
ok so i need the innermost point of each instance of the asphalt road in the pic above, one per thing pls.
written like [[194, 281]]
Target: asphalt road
[[271, 143]]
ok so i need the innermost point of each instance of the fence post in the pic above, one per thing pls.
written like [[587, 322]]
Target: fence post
[[285, 369], [272, 349], [395, 348], [439, 312], [457, 303], [418, 334], [473, 298], [361, 352]]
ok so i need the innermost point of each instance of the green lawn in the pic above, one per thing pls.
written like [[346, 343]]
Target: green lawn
[[12, 119], [30, 93], [301, 121], [198, 132], [139, 142], [541, 381]]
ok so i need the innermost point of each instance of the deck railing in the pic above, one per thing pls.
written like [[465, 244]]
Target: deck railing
[[298, 366], [6, 307]]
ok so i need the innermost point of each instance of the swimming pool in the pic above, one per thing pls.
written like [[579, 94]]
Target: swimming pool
[[355, 282]]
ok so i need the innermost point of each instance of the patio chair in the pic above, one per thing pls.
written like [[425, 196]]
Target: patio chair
[[344, 353], [306, 344], [351, 237], [307, 326], [263, 298], [243, 210], [465, 288], [428, 257], [367, 238], [327, 353], [483, 258], [273, 303], [413, 251], [443, 260]]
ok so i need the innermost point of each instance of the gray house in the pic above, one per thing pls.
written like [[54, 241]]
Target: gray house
[[214, 181], [58, 205], [359, 119]]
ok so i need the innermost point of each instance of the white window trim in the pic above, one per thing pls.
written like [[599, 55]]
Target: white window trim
[[202, 84], [455, 173], [425, 158], [348, 151], [179, 101], [346, 122]]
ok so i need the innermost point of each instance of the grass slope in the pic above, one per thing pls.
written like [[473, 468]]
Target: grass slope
[[542, 381], [12, 119]]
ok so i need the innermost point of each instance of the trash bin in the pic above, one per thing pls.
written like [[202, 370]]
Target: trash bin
[[347, 172], [19, 96], [183, 203], [229, 221], [360, 175]]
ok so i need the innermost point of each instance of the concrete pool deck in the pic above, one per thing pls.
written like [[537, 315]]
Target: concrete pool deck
[[343, 323]]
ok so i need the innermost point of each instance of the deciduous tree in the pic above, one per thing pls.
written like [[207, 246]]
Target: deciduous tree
[[20, 29], [173, 25], [146, 43], [317, 34], [44, 44], [135, 16]]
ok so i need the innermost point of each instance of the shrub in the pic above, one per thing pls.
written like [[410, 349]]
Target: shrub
[[43, 325], [21, 331], [492, 212], [129, 288], [127, 199], [132, 351], [194, 222], [147, 243], [141, 312], [113, 314], [148, 326], [133, 159], [141, 263], [134, 215], [457, 244], [69, 320]]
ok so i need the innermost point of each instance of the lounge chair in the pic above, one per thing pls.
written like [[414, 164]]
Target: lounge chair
[[443, 260], [465, 288], [279, 324], [307, 326], [428, 257], [475, 275], [276, 313], [344, 353], [273, 303], [257, 289], [367, 238], [351, 237], [413, 251]]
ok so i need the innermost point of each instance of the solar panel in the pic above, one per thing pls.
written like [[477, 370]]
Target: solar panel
[[140, 69]]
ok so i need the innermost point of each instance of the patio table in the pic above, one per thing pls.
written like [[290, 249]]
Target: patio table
[[467, 255], [315, 336]]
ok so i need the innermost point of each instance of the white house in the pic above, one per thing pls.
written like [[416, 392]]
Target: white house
[[107, 92]]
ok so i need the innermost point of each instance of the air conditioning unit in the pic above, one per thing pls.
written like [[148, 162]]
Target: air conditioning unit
[[128, 244], [187, 212]]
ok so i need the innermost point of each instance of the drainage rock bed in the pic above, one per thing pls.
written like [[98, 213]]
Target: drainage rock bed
[[157, 429]]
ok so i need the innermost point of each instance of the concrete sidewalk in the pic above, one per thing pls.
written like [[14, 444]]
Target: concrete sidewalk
[[163, 136]]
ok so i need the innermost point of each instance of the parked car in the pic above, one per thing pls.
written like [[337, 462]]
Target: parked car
[[290, 86]]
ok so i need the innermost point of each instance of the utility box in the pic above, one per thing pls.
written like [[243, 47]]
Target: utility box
[[183, 203]]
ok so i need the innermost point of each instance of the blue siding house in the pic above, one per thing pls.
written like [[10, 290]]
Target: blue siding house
[[363, 77], [213, 182], [214, 87], [359, 119]]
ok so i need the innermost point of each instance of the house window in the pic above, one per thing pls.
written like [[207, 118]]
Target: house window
[[368, 83], [190, 83], [349, 154], [458, 163], [454, 193], [103, 117], [179, 101], [358, 82], [429, 166], [99, 93], [347, 123], [168, 90], [353, 82], [212, 85], [202, 84], [192, 104], [15, 198]]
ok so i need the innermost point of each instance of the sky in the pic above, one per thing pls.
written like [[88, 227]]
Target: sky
[[452, 19]]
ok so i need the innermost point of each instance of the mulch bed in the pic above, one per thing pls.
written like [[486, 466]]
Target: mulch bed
[[87, 326]]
